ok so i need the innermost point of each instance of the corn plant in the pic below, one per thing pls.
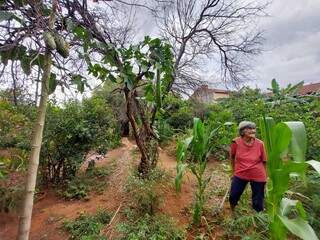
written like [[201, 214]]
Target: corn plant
[[286, 145], [192, 153]]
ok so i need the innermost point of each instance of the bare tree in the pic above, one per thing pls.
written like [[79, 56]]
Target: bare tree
[[223, 31]]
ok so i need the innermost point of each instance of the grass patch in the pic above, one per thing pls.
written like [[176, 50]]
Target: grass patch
[[246, 223], [157, 227], [87, 227]]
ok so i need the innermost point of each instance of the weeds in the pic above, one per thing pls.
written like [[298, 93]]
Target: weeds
[[87, 227], [146, 227], [94, 180], [10, 197], [145, 191], [248, 226], [142, 221]]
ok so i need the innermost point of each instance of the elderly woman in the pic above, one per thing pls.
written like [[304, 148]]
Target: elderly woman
[[248, 162]]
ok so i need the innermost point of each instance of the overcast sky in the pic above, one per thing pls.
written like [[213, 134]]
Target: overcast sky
[[292, 43]]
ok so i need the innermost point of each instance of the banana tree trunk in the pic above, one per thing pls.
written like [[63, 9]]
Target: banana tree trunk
[[26, 213]]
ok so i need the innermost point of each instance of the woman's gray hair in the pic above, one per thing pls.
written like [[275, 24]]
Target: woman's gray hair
[[245, 125]]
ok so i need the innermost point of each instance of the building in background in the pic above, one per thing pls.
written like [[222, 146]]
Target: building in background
[[309, 89], [209, 95]]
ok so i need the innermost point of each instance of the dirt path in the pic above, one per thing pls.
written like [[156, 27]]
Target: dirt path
[[50, 212]]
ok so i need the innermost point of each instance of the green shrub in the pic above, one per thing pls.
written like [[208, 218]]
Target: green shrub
[[145, 192], [87, 227], [10, 197], [220, 143], [79, 187], [178, 112], [15, 126], [72, 131], [165, 130], [181, 119], [158, 227]]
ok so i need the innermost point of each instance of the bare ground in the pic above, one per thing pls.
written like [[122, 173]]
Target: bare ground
[[50, 212]]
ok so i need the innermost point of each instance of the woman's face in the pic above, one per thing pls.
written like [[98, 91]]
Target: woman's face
[[249, 132]]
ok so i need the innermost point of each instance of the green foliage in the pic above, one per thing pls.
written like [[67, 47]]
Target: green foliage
[[247, 226], [310, 188], [142, 220], [192, 153], [279, 95], [286, 147], [159, 227], [70, 132], [10, 197], [223, 136], [181, 119], [249, 104], [143, 72], [15, 126], [152, 56], [145, 192], [87, 227], [79, 187], [178, 113], [165, 130]]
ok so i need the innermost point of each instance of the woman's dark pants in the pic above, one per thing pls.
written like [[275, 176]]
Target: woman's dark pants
[[237, 187]]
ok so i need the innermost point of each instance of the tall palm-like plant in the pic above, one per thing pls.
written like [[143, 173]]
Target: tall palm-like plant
[[284, 94]]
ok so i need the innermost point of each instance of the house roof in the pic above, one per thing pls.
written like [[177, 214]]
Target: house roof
[[206, 89], [310, 88]]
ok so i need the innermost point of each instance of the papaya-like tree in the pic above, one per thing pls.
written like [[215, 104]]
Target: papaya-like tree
[[32, 39], [142, 73]]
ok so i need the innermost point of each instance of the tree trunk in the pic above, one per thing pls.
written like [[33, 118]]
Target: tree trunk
[[25, 217], [146, 142]]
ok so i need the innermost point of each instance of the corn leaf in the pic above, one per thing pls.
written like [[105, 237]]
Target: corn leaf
[[315, 164], [281, 137], [266, 125], [299, 227], [181, 169], [298, 144]]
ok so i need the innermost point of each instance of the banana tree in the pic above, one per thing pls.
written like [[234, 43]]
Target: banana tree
[[286, 145], [286, 94], [192, 153]]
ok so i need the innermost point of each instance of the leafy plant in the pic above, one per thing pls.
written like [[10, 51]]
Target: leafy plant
[[10, 197], [142, 72], [87, 227], [248, 226], [80, 186], [145, 192], [286, 145], [158, 227], [71, 131], [192, 153]]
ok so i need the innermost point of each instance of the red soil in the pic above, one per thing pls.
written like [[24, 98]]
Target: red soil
[[50, 212]]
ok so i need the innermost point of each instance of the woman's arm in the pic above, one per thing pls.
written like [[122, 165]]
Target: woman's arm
[[264, 156], [232, 155]]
